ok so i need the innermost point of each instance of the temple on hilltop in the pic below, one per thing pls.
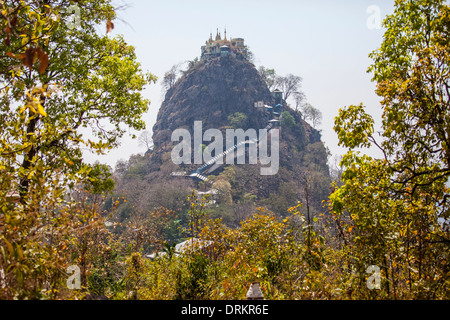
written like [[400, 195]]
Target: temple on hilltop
[[223, 47]]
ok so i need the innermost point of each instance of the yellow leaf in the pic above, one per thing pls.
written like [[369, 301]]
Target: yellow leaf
[[30, 175], [41, 111], [27, 146], [31, 108]]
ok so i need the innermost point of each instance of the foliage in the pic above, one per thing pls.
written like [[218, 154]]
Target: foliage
[[170, 77], [248, 54], [263, 248], [268, 76], [311, 114], [193, 63], [145, 140], [197, 213], [287, 120], [289, 84], [396, 208], [191, 280], [238, 120], [390, 212], [56, 211], [58, 80]]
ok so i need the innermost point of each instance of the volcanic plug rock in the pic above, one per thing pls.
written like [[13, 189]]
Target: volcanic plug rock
[[211, 91]]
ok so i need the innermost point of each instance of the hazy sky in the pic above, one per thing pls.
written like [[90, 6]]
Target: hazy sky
[[325, 42]]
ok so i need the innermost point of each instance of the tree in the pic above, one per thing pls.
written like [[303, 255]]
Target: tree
[[268, 76], [197, 213], [288, 84], [94, 90], [249, 55], [192, 63], [287, 120], [399, 204], [312, 114], [299, 99], [336, 170], [57, 78], [145, 140], [238, 120], [170, 77]]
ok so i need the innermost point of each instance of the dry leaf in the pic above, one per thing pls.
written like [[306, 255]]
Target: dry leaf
[[13, 21], [109, 26], [15, 56], [43, 60], [8, 36], [29, 57]]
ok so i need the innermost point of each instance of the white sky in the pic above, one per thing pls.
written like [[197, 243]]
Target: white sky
[[326, 42]]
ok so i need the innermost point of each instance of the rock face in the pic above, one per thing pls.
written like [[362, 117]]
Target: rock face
[[210, 92]]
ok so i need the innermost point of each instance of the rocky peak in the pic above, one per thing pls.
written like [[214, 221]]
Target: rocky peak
[[209, 92]]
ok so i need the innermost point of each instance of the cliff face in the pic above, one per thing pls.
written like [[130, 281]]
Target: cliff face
[[210, 92]]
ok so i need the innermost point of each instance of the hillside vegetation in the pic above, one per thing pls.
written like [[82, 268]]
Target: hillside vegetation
[[375, 228]]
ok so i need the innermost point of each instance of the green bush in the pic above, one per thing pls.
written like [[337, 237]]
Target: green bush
[[287, 120], [238, 120]]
